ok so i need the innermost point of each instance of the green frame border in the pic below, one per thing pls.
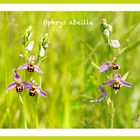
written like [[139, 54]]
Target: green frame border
[[70, 137], [70, 1]]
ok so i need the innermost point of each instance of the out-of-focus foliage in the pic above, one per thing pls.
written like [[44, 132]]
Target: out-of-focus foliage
[[69, 77]]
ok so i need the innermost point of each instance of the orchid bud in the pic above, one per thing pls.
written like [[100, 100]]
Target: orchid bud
[[109, 28], [27, 36], [115, 43], [29, 29], [103, 25], [104, 21], [46, 45], [30, 46], [30, 36], [21, 56], [46, 37], [106, 33], [41, 52]]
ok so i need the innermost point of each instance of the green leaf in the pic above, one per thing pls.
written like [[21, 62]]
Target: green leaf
[[88, 45], [121, 51], [125, 75], [20, 98], [137, 44], [116, 92], [97, 67]]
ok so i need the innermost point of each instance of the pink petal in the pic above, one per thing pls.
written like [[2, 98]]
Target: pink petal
[[104, 67], [115, 43], [37, 69], [110, 82], [16, 76], [126, 84], [40, 91], [102, 97], [102, 90], [11, 86], [24, 66], [27, 85], [34, 83], [31, 58], [117, 76]]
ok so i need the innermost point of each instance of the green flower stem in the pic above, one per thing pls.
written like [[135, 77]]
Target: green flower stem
[[22, 97], [112, 108], [112, 115], [111, 101], [23, 109]]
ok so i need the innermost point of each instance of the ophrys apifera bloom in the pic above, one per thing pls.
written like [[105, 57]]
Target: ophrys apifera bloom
[[18, 83], [117, 82], [30, 65]]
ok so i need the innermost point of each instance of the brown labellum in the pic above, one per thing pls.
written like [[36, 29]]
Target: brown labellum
[[116, 85], [114, 66], [19, 87], [32, 92], [30, 68]]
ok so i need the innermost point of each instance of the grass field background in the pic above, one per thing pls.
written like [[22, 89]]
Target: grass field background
[[69, 77]]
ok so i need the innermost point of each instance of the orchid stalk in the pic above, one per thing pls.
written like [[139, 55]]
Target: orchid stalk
[[117, 82], [30, 66]]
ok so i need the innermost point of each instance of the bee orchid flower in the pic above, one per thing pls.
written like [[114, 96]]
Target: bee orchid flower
[[117, 82], [30, 66], [107, 65], [33, 88], [18, 83]]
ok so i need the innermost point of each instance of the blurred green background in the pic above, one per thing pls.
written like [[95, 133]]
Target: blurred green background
[[69, 77]]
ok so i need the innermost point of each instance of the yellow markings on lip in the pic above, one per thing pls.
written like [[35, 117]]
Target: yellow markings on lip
[[33, 86], [32, 62], [117, 80], [18, 81]]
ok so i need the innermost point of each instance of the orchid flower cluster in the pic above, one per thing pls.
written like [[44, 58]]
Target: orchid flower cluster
[[31, 64], [117, 81]]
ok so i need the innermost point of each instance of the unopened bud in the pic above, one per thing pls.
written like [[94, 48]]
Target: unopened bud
[[109, 27], [42, 52], [21, 55], [45, 37], [104, 21], [30, 36], [106, 33], [30, 46], [115, 43], [29, 29], [46, 45]]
